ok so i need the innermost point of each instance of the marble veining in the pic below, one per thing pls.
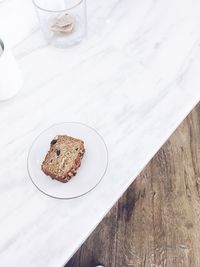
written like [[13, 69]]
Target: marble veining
[[134, 79]]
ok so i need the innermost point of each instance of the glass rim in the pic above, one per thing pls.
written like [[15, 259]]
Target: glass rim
[[56, 11]]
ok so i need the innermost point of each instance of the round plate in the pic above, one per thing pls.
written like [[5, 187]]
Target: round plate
[[89, 174]]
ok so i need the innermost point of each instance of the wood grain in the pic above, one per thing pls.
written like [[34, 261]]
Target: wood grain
[[156, 223]]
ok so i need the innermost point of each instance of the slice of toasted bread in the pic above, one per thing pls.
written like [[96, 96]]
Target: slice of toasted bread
[[63, 158]]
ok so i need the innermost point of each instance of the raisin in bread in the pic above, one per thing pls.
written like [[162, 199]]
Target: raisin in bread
[[63, 158]]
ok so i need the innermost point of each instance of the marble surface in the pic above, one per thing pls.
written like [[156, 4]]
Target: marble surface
[[17, 20], [134, 79]]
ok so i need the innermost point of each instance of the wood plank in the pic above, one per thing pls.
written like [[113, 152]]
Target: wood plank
[[156, 223]]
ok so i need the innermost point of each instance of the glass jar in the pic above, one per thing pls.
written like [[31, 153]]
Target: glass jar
[[63, 22]]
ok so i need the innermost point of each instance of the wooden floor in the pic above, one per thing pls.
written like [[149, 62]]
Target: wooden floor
[[157, 221]]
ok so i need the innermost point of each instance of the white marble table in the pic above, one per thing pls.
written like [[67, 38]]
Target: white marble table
[[134, 79]]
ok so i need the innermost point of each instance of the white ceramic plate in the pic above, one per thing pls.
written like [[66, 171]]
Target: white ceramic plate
[[91, 171]]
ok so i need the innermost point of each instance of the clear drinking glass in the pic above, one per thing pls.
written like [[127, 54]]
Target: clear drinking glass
[[63, 22]]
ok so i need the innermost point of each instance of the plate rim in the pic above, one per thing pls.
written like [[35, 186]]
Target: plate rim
[[60, 123]]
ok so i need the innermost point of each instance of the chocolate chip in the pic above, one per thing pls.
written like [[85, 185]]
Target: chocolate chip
[[58, 152], [53, 142], [76, 149]]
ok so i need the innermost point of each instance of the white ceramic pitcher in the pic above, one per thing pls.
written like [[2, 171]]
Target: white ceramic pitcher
[[11, 79]]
